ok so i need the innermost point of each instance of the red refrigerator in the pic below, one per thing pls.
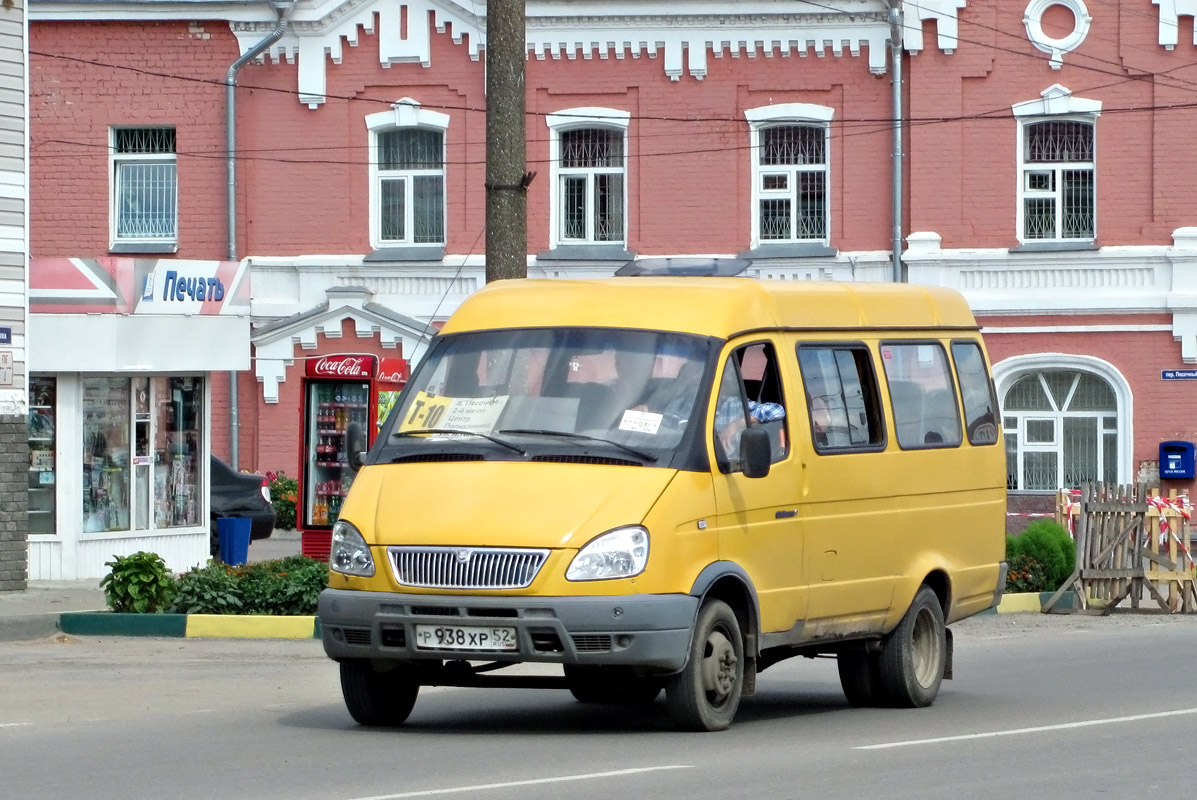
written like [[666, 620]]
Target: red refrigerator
[[338, 390]]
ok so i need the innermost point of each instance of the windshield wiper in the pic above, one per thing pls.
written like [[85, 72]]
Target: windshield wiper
[[643, 456], [457, 432]]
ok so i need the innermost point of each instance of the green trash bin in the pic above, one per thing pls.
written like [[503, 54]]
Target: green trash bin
[[233, 533]]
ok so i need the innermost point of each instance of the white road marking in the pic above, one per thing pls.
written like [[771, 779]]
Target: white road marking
[[1064, 726], [13, 724], [512, 784]]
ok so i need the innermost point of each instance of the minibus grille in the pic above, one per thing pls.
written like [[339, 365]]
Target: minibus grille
[[466, 567]]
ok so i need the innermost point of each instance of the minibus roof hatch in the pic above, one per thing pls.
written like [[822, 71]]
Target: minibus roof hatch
[[704, 267]]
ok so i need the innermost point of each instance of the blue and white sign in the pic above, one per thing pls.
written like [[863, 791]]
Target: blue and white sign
[[5, 335], [1178, 374]]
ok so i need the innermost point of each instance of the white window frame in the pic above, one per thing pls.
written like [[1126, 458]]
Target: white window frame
[[1007, 372], [574, 119], [115, 176], [782, 114], [405, 113], [1057, 105]]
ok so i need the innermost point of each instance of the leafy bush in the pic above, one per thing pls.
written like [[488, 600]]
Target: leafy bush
[[285, 587], [1043, 547], [284, 492], [1026, 574], [211, 589], [139, 583]]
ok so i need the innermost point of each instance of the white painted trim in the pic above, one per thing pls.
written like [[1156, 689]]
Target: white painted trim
[[1033, 21], [788, 112], [1000, 329], [587, 117], [1009, 370], [1056, 99], [407, 113]]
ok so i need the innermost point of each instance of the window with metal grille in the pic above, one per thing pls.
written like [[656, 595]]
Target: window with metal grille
[[144, 185], [590, 180], [410, 181], [1061, 430], [791, 183], [1057, 194]]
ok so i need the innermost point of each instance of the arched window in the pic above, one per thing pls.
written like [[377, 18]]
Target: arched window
[[1061, 429]]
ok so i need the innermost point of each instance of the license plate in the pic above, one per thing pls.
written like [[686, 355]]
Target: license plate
[[460, 637]]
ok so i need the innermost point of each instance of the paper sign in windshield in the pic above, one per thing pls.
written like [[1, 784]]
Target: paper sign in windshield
[[640, 421], [474, 414]]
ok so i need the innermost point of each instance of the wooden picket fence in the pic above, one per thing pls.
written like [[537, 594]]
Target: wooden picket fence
[[1131, 544]]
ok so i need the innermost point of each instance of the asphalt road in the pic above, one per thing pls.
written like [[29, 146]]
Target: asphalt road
[[1041, 706]]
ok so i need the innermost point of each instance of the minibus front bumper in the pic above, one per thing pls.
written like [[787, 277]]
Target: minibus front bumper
[[650, 631]]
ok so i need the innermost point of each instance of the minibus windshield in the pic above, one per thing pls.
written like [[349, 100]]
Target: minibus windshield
[[516, 392]]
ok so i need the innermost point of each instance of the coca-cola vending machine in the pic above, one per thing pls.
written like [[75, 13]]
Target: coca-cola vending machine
[[338, 390]]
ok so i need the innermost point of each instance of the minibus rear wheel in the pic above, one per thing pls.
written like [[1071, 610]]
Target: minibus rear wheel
[[914, 653], [860, 677], [704, 696], [378, 698]]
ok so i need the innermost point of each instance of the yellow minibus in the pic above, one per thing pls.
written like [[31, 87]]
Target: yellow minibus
[[673, 483]]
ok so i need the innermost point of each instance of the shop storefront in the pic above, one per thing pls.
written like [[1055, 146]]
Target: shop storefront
[[121, 355]]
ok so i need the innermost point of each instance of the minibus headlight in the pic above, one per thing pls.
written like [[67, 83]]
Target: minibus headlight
[[621, 553], [349, 554]]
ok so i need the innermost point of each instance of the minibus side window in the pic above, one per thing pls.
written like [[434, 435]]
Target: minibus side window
[[976, 388], [841, 397], [922, 394], [749, 394]]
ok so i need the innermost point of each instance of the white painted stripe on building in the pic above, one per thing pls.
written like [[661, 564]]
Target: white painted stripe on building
[[1077, 329], [531, 782], [1064, 726]]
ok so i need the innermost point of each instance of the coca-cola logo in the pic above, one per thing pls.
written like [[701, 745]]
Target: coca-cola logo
[[343, 367], [392, 370]]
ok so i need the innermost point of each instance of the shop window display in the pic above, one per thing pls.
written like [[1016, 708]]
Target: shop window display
[[142, 453], [105, 454], [42, 473]]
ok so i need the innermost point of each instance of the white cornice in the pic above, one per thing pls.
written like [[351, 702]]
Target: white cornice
[[683, 34]]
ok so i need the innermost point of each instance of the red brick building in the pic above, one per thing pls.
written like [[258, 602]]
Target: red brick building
[[1043, 173]]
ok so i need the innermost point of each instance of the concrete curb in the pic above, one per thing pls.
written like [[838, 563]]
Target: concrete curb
[[222, 626]]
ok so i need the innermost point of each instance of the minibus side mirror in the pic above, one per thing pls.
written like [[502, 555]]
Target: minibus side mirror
[[355, 445], [755, 452]]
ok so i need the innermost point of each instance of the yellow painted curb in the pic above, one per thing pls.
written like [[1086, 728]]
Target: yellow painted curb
[[1020, 602], [250, 626]]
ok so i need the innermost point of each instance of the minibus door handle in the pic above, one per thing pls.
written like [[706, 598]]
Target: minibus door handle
[[787, 513]]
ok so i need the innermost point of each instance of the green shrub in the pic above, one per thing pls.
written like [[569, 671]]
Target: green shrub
[[1026, 574], [283, 587], [1048, 545], [211, 589], [286, 586], [283, 494], [139, 583]]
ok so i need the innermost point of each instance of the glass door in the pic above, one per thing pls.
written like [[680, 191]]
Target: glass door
[[331, 406]]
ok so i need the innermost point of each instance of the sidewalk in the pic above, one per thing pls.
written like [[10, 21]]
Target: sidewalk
[[34, 613]]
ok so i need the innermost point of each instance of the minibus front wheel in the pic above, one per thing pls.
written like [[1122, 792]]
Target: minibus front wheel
[[378, 698], [705, 695], [913, 655]]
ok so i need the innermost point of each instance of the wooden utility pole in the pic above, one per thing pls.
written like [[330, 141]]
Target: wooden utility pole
[[506, 148]]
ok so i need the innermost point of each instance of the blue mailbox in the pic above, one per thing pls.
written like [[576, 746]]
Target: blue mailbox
[[1176, 460]]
